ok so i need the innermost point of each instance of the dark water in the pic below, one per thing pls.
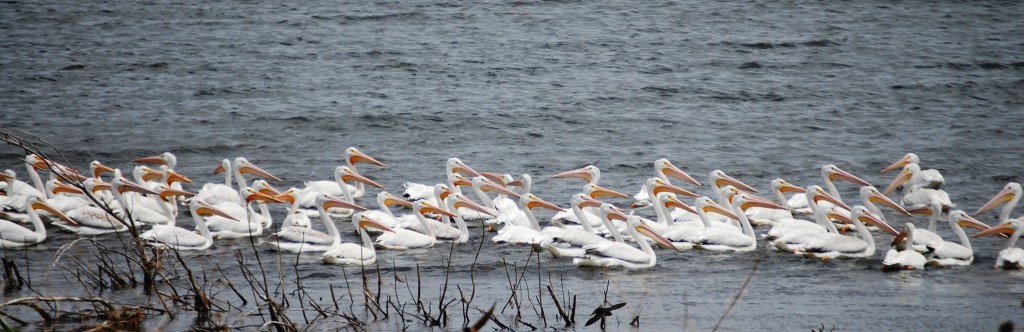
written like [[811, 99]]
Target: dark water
[[760, 89]]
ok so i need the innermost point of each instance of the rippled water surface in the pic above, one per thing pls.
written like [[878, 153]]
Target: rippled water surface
[[760, 89]]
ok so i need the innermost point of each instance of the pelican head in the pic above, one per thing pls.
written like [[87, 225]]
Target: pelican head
[[245, 167], [455, 165], [589, 173], [363, 221], [99, 168], [641, 228], [659, 186], [719, 179], [531, 201], [423, 207], [817, 194], [168, 192], [461, 201], [327, 201], [909, 158], [833, 173], [595, 191], [784, 186], [667, 168], [1006, 228], [165, 158], [345, 174], [670, 200], [486, 185], [865, 216], [353, 156], [1010, 192], [874, 196], [706, 204], [961, 218], [905, 175]]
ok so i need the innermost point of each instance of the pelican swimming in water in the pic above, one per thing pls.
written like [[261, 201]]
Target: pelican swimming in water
[[416, 191], [919, 196], [402, 239], [611, 254], [334, 188], [354, 254], [830, 173], [949, 253], [304, 239], [529, 233], [13, 235], [1010, 195], [183, 239], [663, 169], [727, 238], [443, 230], [834, 245], [927, 178], [903, 256], [1011, 258], [216, 193]]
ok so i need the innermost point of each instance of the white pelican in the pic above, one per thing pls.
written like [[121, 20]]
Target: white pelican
[[214, 193], [13, 235], [443, 230], [928, 178], [294, 216], [529, 233], [1011, 257], [589, 173], [402, 239], [304, 239], [611, 254], [168, 159], [919, 196], [342, 174], [792, 234], [567, 216], [249, 223], [663, 169], [569, 242], [830, 173], [56, 169], [903, 256], [90, 219], [97, 169], [925, 239], [481, 184], [384, 216], [952, 253], [354, 254], [1010, 195], [687, 234], [64, 203], [833, 245], [183, 239], [416, 191], [727, 238], [118, 186], [18, 193], [352, 157], [334, 188], [763, 216]]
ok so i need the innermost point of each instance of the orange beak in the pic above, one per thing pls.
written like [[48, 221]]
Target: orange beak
[[349, 175], [599, 191], [249, 168], [898, 164], [167, 192], [333, 202], [662, 186], [725, 180], [904, 176], [675, 172], [579, 173], [150, 160], [1003, 196], [535, 202]]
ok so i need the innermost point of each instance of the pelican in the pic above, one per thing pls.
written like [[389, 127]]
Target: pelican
[[167, 159], [663, 169], [595, 191], [179, 238], [64, 203], [56, 169], [304, 239], [118, 186], [402, 239], [1011, 258], [569, 242], [620, 254], [342, 174], [18, 193], [589, 173], [214, 193], [686, 234], [830, 173], [763, 216], [384, 216], [925, 239], [481, 184], [444, 230], [1010, 195], [251, 223], [334, 188], [792, 234], [90, 219], [722, 238], [928, 178], [833, 245], [13, 235], [354, 254], [530, 233], [416, 191], [902, 256], [952, 253], [919, 196]]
